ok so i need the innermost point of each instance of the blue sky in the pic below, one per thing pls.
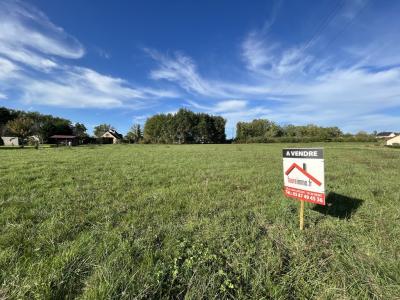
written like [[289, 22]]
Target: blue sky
[[331, 63]]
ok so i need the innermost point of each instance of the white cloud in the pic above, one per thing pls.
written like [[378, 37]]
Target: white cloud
[[25, 29], [7, 68], [30, 48], [333, 97], [256, 53], [298, 85], [78, 87], [182, 70], [27, 57], [140, 119], [222, 106], [233, 111], [349, 98], [269, 59], [230, 105]]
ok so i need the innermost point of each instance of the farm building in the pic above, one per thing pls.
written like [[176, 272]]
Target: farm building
[[385, 135], [393, 141], [11, 141], [67, 140], [112, 137]]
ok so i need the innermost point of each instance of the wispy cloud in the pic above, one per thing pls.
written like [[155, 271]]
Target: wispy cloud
[[329, 96], [27, 35], [221, 106], [353, 85], [140, 119], [233, 111], [102, 53], [267, 58], [81, 87], [354, 7], [7, 68], [31, 47], [181, 69]]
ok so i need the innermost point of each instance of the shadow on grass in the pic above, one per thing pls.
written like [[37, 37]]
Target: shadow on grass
[[339, 206]]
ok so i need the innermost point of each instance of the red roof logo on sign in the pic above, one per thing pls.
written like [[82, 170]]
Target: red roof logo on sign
[[296, 166]]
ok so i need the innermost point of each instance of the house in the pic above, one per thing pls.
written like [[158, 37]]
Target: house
[[11, 141], [385, 135], [112, 137], [393, 141], [67, 140]]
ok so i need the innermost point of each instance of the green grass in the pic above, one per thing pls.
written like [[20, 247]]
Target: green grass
[[26, 147], [195, 221]]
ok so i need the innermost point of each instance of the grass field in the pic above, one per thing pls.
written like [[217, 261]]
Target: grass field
[[195, 221]]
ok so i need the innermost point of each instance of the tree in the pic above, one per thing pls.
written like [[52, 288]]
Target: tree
[[204, 132], [135, 134], [218, 130], [48, 126], [184, 127], [21, 127], [257, 129], [6, 115], [101, 129], [79, 130]]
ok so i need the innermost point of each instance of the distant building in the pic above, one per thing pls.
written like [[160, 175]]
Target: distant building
[[112, 137], [393, 141], [386, 135], [34, 138], [11, 141], [67, 140]]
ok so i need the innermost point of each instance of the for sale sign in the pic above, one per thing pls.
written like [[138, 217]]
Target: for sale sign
[[303, 172]]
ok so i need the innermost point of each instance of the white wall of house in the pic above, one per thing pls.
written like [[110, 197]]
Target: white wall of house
[[10, 140], [392, 141], [109, 135]]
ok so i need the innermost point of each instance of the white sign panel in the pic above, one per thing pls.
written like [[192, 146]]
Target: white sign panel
[[303, 173]]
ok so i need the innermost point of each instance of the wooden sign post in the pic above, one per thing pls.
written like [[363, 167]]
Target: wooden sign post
[[301, 214], [303, 176]]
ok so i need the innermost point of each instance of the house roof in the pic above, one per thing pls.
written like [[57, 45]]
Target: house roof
[[296, 166], [60, 136], [385, 133], [115, 134]]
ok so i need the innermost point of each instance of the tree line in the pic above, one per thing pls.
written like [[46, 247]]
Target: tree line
[[182, 127], [185, 127], [25, 124], [266, 131]]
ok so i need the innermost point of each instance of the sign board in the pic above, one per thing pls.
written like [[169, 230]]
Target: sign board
[[303, 173]]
